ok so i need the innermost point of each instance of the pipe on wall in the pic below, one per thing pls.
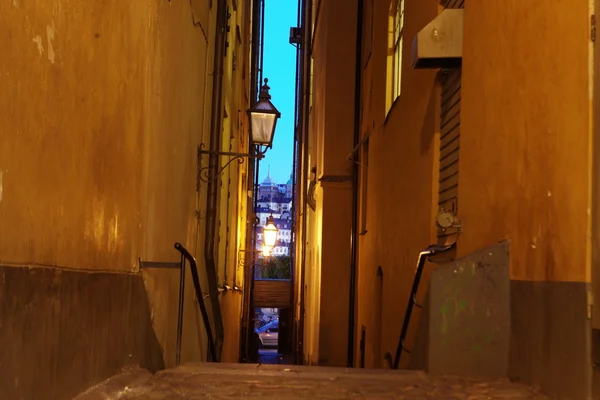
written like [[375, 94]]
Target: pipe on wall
[[255, 75], [216, 125], [303, 150], [355, 172], [296, 152]]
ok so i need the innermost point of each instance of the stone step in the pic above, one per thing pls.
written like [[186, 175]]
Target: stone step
[[240, 381], [117, 387]]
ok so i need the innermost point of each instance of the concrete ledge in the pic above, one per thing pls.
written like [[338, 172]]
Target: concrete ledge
[[484, 324], [549, 337], [118, 386], [63, 331]]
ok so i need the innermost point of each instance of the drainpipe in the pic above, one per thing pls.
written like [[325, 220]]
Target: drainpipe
[[354, 229], [247, 329], [293, 177], [216, 122], [303, 151]]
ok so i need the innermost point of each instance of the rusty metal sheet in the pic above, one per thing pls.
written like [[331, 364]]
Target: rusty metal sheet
[[470, 315]]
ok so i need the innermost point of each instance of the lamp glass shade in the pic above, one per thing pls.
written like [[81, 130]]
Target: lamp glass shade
[[266, 251], [263, 127], [263, 118], [270, 233]]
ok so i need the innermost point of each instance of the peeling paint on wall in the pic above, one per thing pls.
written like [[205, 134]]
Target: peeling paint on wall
[[38, 40], [94, 227], [50, 38], [113, 234]]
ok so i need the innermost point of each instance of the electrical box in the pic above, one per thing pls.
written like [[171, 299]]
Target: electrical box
[[295, 35], [439, 44]]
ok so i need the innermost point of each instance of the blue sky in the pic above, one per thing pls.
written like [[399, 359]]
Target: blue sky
[[280, 68]]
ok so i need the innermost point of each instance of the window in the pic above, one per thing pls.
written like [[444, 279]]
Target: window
[[394, 75]]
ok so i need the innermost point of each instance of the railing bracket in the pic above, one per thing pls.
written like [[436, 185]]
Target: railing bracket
[[412, 299]]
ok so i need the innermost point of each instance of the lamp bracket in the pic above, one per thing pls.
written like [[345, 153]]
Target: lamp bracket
[[208, 174], [242, 260]]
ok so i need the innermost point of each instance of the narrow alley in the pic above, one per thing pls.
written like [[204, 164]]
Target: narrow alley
[[285, 199]]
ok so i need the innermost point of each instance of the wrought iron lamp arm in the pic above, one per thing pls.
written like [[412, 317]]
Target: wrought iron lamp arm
[[205, 174]]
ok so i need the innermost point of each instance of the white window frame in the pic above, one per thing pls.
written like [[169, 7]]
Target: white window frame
[[396, 42]]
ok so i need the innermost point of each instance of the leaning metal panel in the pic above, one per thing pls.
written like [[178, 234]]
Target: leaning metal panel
[[470, 315]]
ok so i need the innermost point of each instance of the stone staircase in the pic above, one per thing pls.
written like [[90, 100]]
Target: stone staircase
[[241, 381]]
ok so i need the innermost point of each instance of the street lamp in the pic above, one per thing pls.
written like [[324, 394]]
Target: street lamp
[[270, 233], [266, 251], [269, 238], [263, 119]]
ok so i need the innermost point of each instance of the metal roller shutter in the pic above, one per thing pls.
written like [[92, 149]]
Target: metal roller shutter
[[451, 82], [453, 3]]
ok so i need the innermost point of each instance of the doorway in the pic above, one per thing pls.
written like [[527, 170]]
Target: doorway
[[273, 336]]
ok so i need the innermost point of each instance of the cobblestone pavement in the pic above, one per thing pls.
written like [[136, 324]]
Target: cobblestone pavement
[[237, 381]]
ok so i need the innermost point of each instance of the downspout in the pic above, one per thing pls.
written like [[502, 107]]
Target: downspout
[[255, 193], [247, 330], [355, 171], [216, 122], [297, 126], [303, 150], [293, 177], [261, 49]]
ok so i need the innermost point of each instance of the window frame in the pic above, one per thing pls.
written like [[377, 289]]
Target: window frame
[[397, 46], [395, 49]]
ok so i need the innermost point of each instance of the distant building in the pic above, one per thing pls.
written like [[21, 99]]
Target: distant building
[[275, 200], [268, 189]]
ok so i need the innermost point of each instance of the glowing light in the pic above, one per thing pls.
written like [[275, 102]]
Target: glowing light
[[266, 251], [270, 232]]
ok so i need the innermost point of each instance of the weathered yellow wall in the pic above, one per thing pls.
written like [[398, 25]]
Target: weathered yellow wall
[[312, 287], [312, 241], [400, 175], [524, 165], [103, 108], [399, 193], [523, 149], [73, 132], [331, 139], [524, 175], [233, 195]]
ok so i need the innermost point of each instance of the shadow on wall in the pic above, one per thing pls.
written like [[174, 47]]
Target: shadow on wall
[[428, 129], [64, 331], [419, 356]]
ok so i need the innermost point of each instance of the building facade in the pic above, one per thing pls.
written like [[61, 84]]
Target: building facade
[[489, 150], [275, 201], [103, 109]]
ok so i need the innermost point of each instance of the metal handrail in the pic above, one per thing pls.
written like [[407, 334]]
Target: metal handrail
[[180, 310], [412, 299], [196, 281]]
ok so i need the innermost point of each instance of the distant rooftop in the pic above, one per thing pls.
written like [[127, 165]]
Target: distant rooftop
[[268, 181]]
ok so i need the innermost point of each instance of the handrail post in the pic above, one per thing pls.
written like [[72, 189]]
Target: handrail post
[[196, 281], [180, 312], [431, 250]]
